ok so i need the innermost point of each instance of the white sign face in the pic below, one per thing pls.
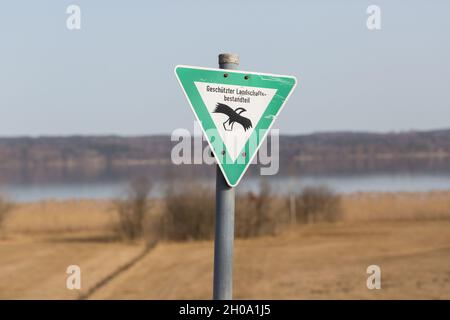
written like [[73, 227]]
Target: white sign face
[[235, 110]]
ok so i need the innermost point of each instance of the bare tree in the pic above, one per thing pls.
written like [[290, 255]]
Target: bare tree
[[133, 209], [317, 204], [5, 207], [255, 214], [189, 213]]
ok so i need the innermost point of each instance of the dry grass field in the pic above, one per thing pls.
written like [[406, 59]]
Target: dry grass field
[[313, 262], [406, 234], [397, 206], [56, 217]]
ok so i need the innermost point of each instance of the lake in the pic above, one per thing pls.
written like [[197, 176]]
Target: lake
[[279, 184]]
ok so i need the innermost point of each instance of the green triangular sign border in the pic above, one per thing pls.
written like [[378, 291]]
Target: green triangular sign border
[[188, 75]]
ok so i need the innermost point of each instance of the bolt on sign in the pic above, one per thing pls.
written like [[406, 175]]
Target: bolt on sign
[[236, 110]]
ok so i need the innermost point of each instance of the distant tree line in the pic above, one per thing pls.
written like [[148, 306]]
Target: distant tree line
[[95, 156]]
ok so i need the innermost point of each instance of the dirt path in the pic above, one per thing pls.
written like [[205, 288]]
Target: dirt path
[[37, 269]]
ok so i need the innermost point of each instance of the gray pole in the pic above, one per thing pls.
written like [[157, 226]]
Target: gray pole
[[224, 236]]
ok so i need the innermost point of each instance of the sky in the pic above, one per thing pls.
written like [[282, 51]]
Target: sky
[[115, 75]]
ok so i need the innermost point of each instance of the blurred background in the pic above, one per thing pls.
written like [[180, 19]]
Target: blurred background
[[86, 176]]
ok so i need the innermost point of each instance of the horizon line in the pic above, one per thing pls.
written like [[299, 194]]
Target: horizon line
[[104, 135]]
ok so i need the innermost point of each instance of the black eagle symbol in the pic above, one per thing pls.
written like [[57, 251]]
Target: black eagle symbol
[[233, 117]]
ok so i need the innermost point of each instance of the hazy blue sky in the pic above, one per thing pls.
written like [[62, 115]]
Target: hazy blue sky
[[115, 75]]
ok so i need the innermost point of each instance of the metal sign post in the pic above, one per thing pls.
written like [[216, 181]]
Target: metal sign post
[[235, 110], [224, 234]]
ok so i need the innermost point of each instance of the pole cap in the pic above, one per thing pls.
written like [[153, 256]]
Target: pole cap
[[225, 58]]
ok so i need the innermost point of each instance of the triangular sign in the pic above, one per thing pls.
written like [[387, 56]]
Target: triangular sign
[[236, 110]]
